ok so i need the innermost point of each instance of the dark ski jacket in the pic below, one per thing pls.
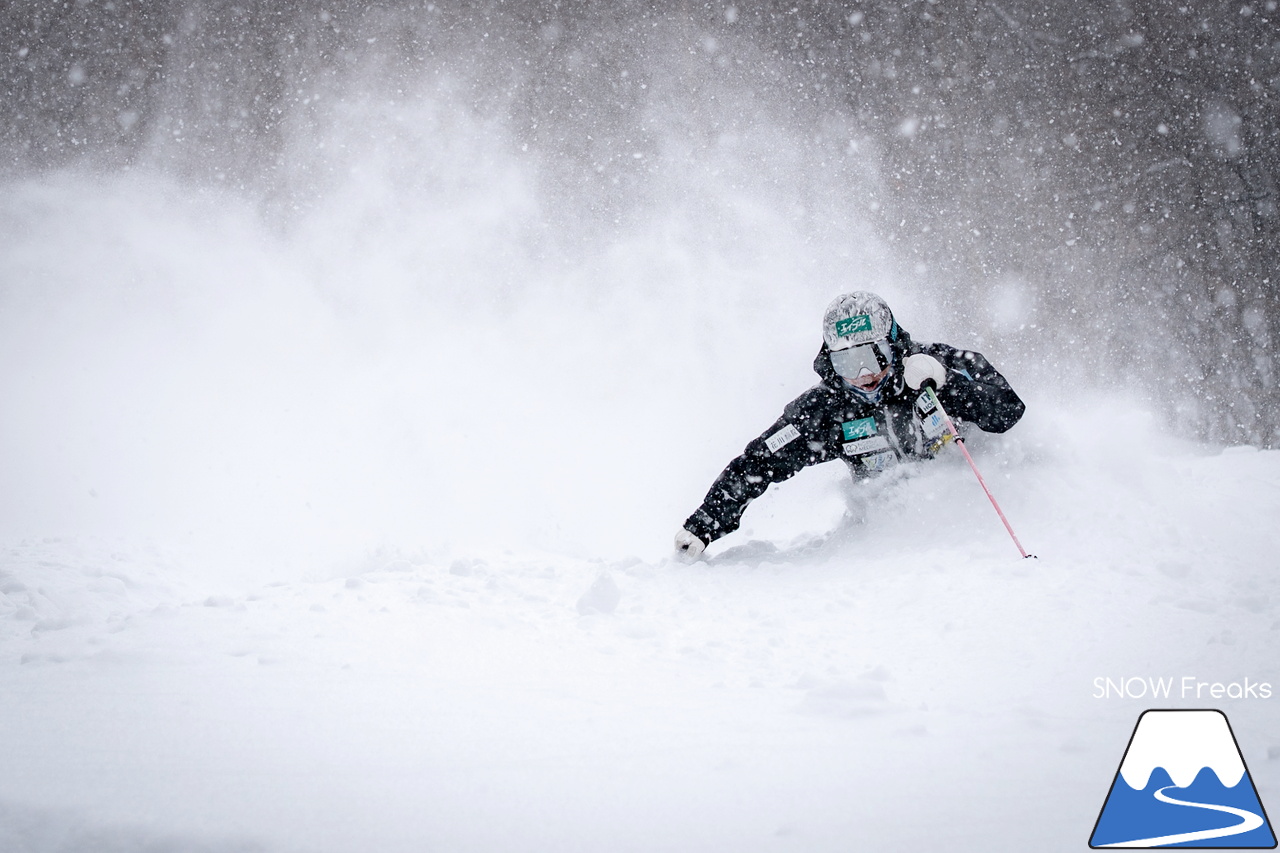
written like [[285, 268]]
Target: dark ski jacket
[[830, 421]]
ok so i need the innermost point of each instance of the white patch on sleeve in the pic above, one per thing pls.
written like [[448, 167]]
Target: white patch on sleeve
[[782, 438]]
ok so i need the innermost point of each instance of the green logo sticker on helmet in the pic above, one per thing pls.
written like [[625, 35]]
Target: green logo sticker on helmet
[[853, 325], [860, 428]]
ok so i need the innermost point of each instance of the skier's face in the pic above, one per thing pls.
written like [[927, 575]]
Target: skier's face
[[864, 366], [869, 381]]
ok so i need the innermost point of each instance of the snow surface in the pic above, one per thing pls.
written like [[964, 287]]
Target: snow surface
[[292, 565]]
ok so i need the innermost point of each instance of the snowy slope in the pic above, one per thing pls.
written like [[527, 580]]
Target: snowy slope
[[898, 679], [325, 541]]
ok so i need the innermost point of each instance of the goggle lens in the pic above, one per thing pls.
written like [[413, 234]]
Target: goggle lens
[[863, 359]]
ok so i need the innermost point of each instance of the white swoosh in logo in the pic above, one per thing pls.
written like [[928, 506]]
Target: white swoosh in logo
[[1249, 821]]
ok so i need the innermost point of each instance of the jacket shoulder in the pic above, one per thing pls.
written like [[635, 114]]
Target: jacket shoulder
[[812, 403]]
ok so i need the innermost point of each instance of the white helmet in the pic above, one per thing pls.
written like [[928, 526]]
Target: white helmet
[[857, 318], [859, 331]]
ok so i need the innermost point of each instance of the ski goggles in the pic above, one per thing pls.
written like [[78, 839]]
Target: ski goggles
[[873, 358]]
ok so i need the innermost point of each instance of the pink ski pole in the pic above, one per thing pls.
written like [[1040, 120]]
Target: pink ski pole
[[933, 396]]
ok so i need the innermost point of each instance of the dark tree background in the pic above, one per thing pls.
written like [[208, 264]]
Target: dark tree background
[[1115, 161], [1119, 157]]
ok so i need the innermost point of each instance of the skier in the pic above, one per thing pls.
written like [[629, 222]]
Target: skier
[[868, 411]]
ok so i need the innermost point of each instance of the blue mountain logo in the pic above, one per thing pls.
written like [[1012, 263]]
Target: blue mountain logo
[[1183, 783]]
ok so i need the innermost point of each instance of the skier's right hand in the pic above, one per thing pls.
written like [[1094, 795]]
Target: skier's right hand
[[689, 547]]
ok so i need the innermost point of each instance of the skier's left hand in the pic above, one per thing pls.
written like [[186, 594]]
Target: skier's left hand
[[920, 368], [689, 547]]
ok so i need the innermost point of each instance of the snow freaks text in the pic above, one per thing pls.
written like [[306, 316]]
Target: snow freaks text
[[1186, 687]]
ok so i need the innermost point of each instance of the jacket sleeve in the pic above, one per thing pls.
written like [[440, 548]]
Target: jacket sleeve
[[975, 391], [795, 441]]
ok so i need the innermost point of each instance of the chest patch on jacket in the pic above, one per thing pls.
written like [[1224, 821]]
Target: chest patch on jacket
[[782, 438], [872, 444], [860, 428], [873, 463], [931, 421]]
